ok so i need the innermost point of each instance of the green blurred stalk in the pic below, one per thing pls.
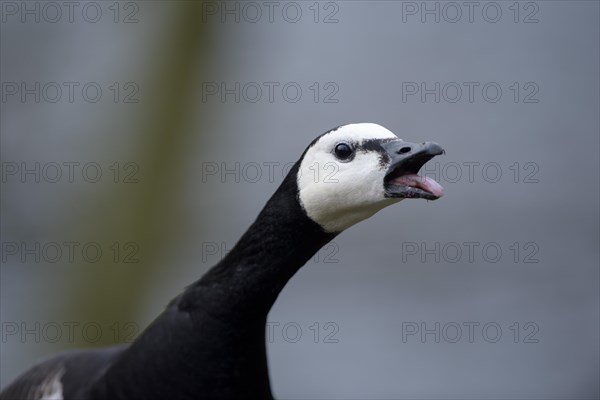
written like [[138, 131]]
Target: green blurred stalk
[[109, 294]]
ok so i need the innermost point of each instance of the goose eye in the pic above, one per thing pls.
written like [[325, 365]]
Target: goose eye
[[343, 151]]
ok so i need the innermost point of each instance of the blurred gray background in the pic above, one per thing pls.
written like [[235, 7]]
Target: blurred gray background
[[490, 292]]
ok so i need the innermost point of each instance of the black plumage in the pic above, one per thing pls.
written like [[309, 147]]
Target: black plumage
[[210, 340]]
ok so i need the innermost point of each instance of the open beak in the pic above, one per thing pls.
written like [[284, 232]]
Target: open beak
[[401, 179]]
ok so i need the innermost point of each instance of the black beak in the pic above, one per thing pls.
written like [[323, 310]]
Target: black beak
[[401, 180]]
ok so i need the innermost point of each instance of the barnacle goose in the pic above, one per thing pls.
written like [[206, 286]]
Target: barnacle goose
[[209, 343]]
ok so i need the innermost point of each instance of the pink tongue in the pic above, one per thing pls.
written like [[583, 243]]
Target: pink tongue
[[421, 182]]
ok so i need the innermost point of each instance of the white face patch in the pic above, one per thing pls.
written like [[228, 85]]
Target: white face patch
[[337, 193]]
